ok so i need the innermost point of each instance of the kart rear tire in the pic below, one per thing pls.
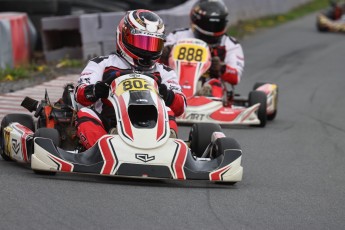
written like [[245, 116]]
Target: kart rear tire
[[259, 97], [49, 133], [23, 119], [270, 117], [200, 137]]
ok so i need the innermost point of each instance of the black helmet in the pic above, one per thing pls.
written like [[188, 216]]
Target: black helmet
[[209, 20]]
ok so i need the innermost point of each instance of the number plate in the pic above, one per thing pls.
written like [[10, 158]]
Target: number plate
[[132, 84], [190, 53]]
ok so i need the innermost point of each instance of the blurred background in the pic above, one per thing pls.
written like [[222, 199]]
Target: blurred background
[[52, 30]]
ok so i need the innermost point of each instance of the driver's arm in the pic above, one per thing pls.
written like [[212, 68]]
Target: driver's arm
[[178, 102], [85, 90], [234, 62]]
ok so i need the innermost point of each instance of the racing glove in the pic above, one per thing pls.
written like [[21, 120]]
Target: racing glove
[[96, 91], [230, 75], [167, 94], [217, 67], [115, 73], [101, 90]]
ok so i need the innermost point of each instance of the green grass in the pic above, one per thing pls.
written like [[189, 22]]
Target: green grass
[[35, 69], [248, 27]]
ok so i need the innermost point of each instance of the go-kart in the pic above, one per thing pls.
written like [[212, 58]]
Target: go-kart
[[191, 59], [332, 19], [140, 145]]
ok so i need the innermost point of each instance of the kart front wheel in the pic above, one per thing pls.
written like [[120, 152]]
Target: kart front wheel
[[49, 133], [23, 119], [222, 144], [270, 117], [200, 136], [259, 97]]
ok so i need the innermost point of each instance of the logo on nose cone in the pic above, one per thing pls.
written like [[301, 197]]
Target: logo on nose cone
[[144, 157]]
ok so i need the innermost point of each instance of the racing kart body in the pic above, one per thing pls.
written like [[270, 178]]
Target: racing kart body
[[191, 59], [332, 19], [140, 145]]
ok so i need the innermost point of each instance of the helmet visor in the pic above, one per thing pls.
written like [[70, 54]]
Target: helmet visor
[[148, 42]]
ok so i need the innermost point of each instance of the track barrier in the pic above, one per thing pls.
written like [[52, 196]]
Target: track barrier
[[17, 37]]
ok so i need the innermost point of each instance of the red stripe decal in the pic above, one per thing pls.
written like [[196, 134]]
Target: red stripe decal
[[125, 118], [216, 175], [180, 160], [107, 154], [161, 120], [64, 166], [249, 113], [25, 154]]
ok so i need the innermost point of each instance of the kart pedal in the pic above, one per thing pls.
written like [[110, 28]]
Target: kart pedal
[[29, 104]]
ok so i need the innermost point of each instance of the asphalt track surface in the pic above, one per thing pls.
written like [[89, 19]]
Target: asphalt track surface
[[294, 168]]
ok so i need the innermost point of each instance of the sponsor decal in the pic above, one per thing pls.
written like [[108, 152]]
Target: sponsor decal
[[7, 136], [15, 146], [144, 157], [141, 100], [84, 80], [174, 88], [227, 111], [195, 116]]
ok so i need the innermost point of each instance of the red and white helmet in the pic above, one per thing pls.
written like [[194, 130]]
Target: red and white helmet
[[140, 38]]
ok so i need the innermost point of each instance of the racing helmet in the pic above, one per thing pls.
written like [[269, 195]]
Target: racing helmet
[[209, 20], [140, 38]]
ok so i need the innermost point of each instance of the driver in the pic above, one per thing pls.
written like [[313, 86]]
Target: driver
[[139, 42], [209, 23]]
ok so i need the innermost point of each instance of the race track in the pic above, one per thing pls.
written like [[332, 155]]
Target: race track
[[294, 168]]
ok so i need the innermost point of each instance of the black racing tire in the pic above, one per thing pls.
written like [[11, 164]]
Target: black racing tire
[[259, 97], [321, 28], [49, 133], [258, 84], [200, 136], [270, 117], [23, 119], [222, 144]]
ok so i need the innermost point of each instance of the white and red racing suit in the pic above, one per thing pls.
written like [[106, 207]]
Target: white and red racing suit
[[229, 50], [94, 123]]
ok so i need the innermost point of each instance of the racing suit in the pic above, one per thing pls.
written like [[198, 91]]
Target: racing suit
[[94, 123], [229, 51]]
